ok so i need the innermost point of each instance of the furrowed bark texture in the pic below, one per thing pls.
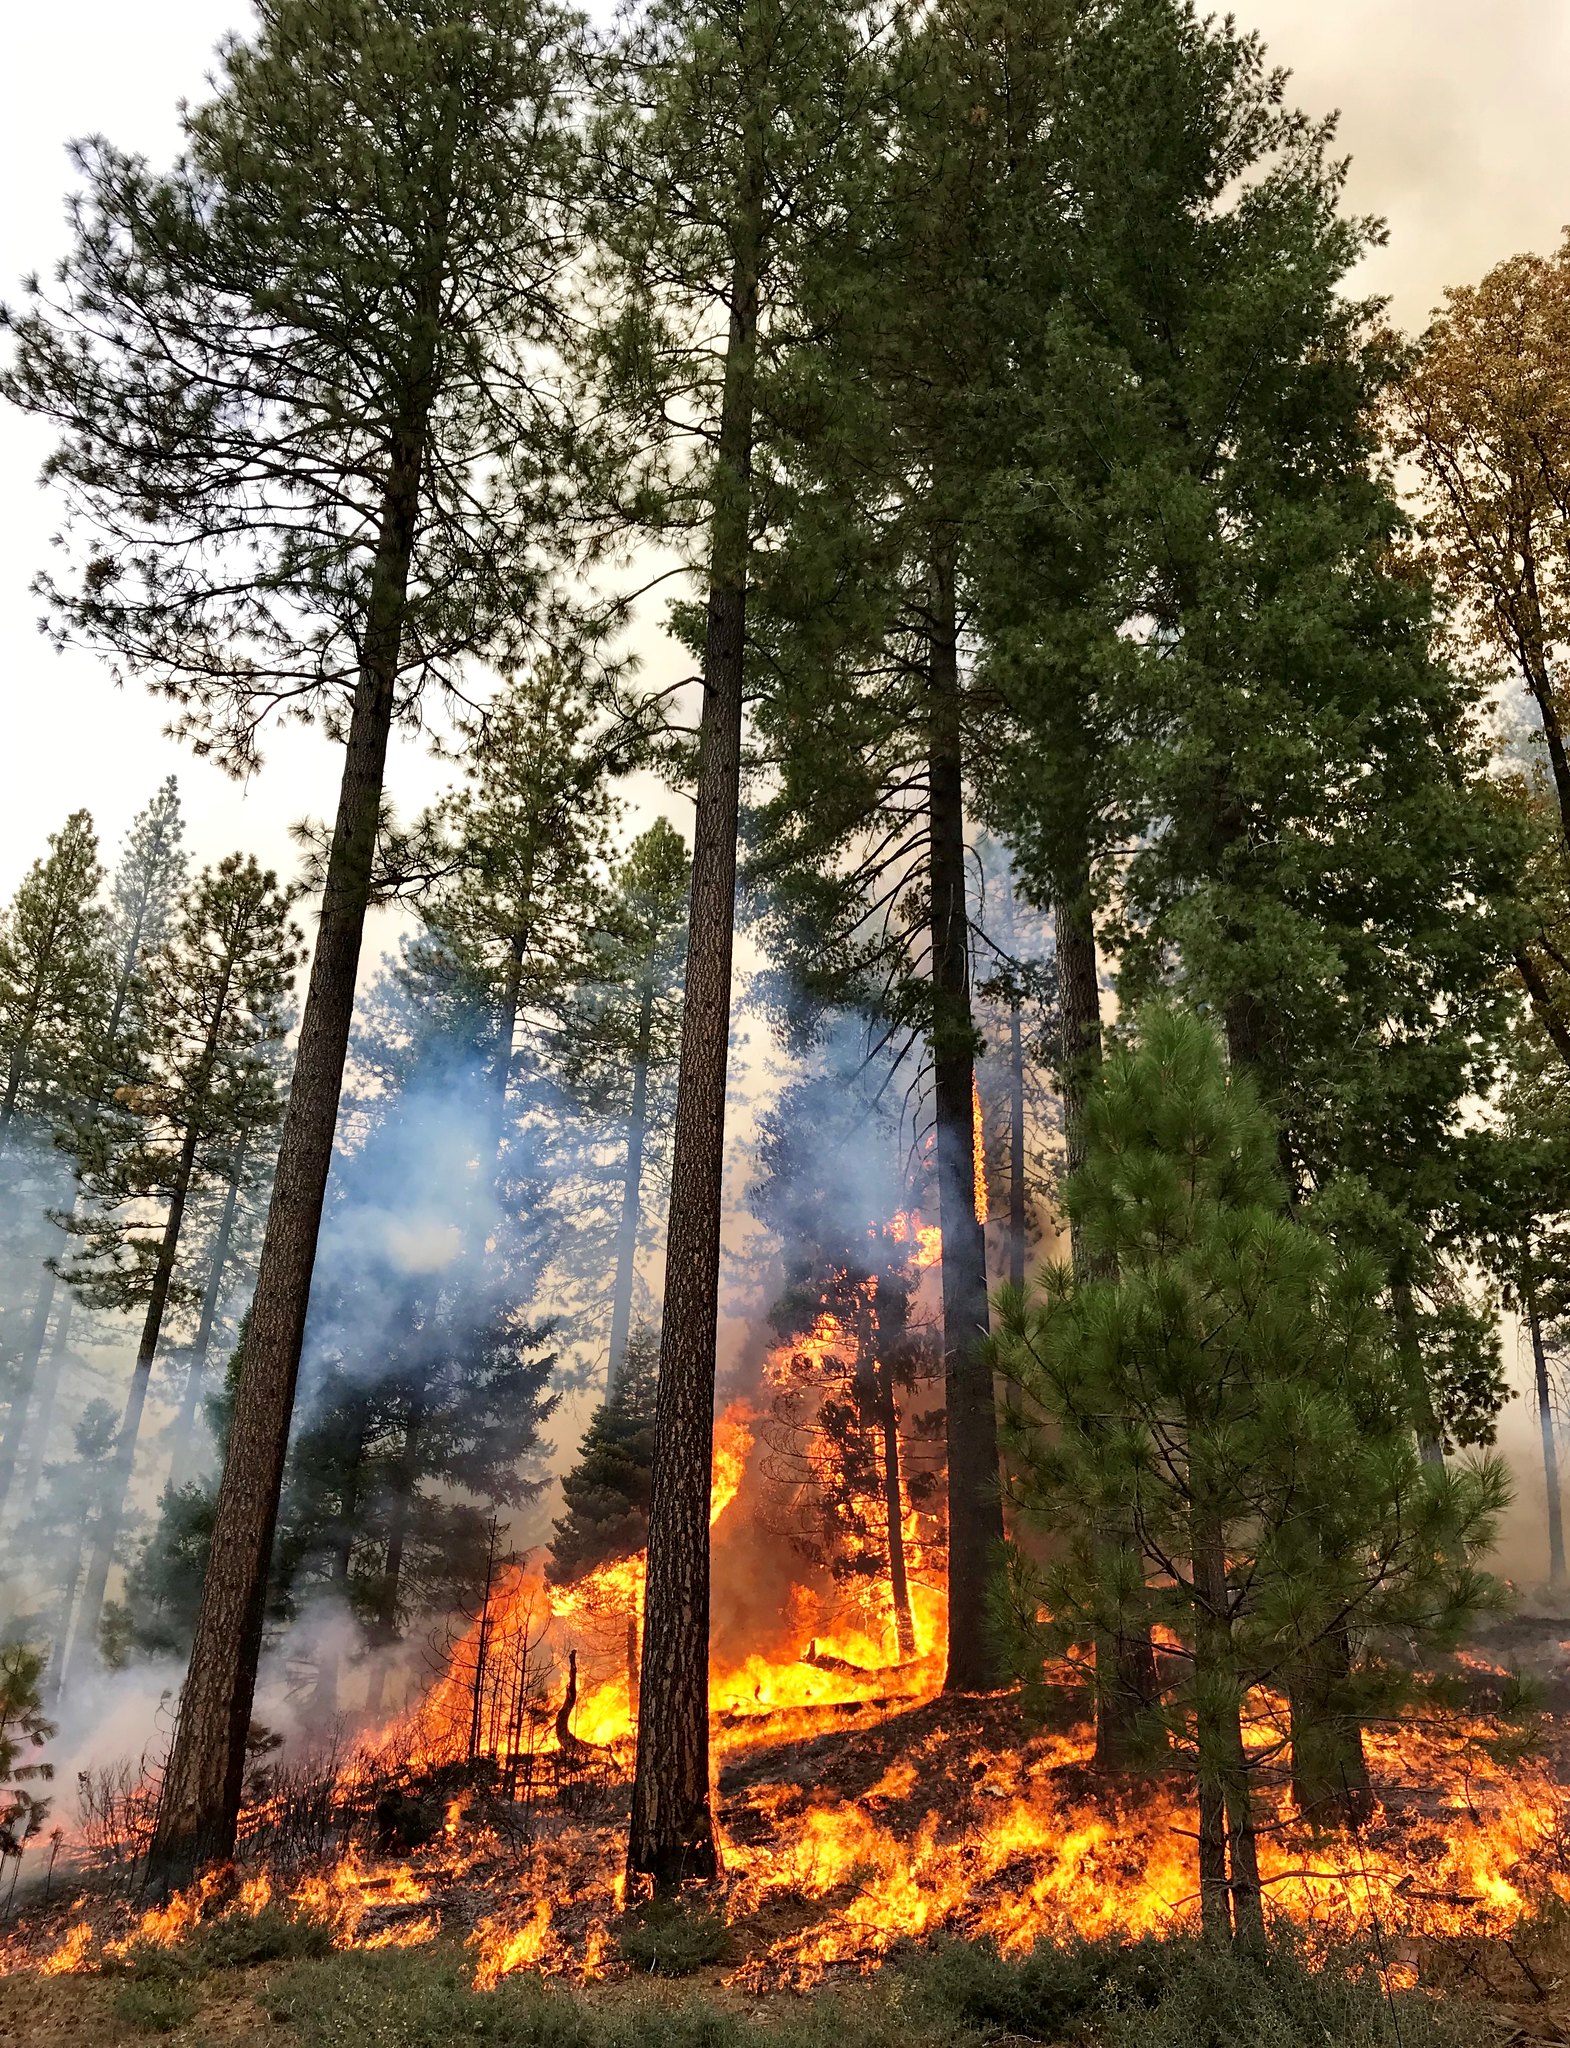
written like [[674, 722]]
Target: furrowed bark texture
[[974, 1495], [671, 1837], [200, 1800], [631, 1194]]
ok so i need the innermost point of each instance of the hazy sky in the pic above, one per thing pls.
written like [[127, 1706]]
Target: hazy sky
[[1454, 115]]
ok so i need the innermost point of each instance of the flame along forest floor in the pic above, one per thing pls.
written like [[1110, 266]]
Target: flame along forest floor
[[864, 1844]]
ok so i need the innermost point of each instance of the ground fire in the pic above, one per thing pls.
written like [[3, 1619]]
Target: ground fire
[[859, 1809]]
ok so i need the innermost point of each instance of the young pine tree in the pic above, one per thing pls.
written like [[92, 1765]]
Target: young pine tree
[[1231, 1396], [523, 840], [607, 1492], [54, 977], [53, 1536], [213, 1006], [359, 249], [143, 898], [23, 1727]]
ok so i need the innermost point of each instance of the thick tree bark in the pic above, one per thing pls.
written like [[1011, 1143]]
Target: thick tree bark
[[185, 1421], [975, 1534], [631, 1194], [671, 1836], [200, 1797], [1545, 1420]]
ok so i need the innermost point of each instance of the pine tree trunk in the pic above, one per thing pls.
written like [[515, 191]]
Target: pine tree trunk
[[324, 1701], [199, 1802], [1079, 1022], [185, 1422], [26, 1378], [16, 1067], [60, 1649], [1230, 1896], [1545, 1420], [507, 1029], [405, 1473], [1403, 1308], [631, 1194], [1126, 1684], [1329, 1770], [117, 1485], [59, 1349], [874, 1385], [894, 1516], [975, 1532], [1017, 1230], [671, 1836], [1554, 1020]]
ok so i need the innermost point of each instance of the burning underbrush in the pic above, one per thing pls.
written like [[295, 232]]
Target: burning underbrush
[[861, 1812], [896, 1823]]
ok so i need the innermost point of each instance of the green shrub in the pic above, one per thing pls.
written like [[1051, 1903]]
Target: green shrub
[[408, 1998], [670, 1939], [423, 1999], [154, 2005], [270, 1936], [1184, 1993]]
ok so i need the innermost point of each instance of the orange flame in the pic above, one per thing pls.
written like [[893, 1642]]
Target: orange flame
[[978, 1152]]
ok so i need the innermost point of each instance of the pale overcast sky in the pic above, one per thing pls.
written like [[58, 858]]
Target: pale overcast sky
[[1454, 115]]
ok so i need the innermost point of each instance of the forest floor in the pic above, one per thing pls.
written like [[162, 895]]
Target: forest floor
[[871, 1869], [1515, 1996]]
